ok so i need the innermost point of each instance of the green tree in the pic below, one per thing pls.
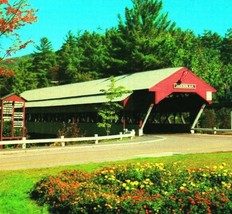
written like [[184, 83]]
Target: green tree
[[226, 57], [24, 79], [109, 110], [69, 60], [6, 83], [206, 62], [177, 49], [44, 60], [139, 36], [201, 54], [93, 57], [211, 40], [226, 48]]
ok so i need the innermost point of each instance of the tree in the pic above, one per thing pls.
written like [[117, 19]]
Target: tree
[[93, 57], [211, 40], [226, 57], [13, 16], [108, 111], [82, 57], [69, 60], [44, 60], [139, 37], [206, 62], [23, 79], [226, 48]]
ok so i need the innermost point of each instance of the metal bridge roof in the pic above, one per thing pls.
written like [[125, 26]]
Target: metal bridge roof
[[89, 92], [160, 81]]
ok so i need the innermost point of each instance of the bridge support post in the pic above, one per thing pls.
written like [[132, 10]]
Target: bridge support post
[[197, 118], [145, 120]]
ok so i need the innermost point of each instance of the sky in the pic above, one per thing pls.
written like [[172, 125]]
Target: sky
[[57, 17]]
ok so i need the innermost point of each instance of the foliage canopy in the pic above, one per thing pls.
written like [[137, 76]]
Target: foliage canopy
[[144, 39]]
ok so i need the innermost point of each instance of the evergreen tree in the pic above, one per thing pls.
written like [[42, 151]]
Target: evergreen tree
[[139, 37], [226, 48], [211, 40], [93, 57], [69, 60], [24, 79], [226, 57], [43, 62], [116, 58]]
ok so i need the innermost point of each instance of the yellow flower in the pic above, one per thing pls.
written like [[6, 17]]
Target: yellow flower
[[193, 184], [224, 183], [108, 205], [182, 188], [221, 167], [135, 183]]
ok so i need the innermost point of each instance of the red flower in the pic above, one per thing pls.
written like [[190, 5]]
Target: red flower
[[3, 1]]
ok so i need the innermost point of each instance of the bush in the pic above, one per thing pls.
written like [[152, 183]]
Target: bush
[[69, 130], [220, 118], [138, 188], [209, 119], [224, 118]]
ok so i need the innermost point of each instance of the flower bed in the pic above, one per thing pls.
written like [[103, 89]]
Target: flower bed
[[138, 188]]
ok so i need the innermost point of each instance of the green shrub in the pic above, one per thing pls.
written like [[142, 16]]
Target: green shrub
[[209, 119], [138, 188], [224, 118], [220, 118]]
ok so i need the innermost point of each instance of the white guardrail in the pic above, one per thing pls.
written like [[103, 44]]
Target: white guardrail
[[63, 140], [214, 130]]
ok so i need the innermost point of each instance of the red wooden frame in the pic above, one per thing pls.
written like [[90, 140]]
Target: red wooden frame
[[12, 111]]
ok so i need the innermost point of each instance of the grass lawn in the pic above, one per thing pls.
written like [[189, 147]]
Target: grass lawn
[[16, 185]]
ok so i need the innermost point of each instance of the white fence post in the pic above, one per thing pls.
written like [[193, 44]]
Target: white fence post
[[214, 132], [62, 142], [132, 133], [120, 133], [96, 140], [140, 132], [24, 145]]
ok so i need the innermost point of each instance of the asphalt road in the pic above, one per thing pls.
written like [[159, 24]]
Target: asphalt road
[[145, 146]]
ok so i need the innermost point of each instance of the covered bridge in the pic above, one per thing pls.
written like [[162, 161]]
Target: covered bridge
[[160, 100]]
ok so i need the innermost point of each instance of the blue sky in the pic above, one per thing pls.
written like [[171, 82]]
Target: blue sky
[[57, 17]]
